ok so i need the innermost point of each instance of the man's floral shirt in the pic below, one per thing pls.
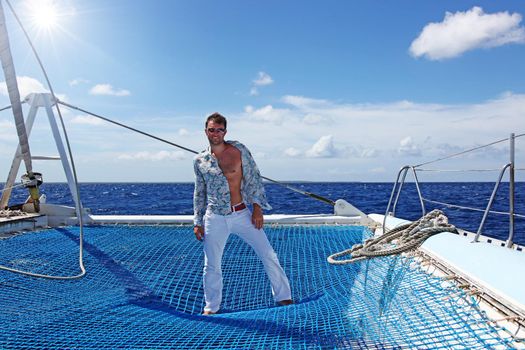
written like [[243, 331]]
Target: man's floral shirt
[[212, 192]]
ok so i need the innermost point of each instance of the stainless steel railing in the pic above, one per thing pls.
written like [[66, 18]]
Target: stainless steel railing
[[402, 175]]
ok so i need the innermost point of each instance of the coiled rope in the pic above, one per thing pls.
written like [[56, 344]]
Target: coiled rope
[[8, 213], [402, 239]]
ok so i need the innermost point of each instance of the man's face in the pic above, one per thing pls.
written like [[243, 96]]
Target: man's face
[[215, 133]]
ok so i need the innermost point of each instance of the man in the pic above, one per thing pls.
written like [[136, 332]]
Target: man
[[227, 181]]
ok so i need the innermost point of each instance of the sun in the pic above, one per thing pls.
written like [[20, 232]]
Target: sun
[[44, 14]]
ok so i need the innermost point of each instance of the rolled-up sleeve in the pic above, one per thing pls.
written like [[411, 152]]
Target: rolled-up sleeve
[[199, 196]]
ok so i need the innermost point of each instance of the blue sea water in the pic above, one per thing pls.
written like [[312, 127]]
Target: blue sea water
[[176, 199]]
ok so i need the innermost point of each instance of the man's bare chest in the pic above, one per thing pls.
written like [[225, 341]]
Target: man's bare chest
[[230, 162]]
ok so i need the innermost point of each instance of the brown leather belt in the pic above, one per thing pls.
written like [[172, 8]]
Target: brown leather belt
[[238, 207]]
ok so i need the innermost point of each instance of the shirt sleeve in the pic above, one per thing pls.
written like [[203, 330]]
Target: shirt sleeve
[[253, 180], [199, 196]]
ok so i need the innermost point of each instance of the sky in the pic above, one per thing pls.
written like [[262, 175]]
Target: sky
[[317, 90]]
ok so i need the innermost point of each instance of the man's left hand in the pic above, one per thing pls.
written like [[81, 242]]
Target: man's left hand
[[257, 217]]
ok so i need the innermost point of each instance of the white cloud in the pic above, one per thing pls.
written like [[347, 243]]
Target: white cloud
[[86, 119], [378, 170], [5, 124], [7, 130], [323, 148], [304, 102], [183, 132], [314, 119], [26, 85], [369, 153], [407, 147], [267, 114], [107, 89], [263, 79], [362, 134], [156, 156], [355, 139], [358, 123], [259, 155], [464, 31], [292, 152], [78, 81]]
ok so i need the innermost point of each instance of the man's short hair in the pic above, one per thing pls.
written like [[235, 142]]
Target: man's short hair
[[216, 118]]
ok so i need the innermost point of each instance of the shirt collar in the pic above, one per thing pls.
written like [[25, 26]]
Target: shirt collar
[[230, 142]]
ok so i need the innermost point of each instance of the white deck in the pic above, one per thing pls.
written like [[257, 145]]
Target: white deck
[[498, 269], [21, 223], [188, 219]]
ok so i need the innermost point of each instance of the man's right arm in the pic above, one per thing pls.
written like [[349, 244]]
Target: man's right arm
[[199, 202]]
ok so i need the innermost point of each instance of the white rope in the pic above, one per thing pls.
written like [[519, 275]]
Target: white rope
[[456, 206], [457, 170], [470, 208], [8, 213], [10, 188], [399, 240]]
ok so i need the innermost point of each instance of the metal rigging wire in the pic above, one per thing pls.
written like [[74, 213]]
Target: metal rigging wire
[[309, 194], [467, 151]]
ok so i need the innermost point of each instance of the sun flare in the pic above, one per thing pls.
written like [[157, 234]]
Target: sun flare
[[44, 14]]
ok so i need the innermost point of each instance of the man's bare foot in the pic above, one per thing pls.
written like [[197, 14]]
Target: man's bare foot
[[285, 302], [208, 313]]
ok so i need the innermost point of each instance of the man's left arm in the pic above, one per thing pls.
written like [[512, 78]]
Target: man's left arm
[[257, 216], [254, 188]]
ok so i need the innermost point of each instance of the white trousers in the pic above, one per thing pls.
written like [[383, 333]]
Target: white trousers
[[217, 229]]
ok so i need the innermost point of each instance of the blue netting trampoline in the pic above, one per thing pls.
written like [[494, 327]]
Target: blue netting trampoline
[[144, 290]]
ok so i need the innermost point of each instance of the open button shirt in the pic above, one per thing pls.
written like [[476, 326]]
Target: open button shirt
[[212, 191]]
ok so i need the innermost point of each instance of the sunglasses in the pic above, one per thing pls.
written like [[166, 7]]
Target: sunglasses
[[213, 130]]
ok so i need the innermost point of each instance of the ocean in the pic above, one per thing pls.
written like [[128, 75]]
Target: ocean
[[176, 199]]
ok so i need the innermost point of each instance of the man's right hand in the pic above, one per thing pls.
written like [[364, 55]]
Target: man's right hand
[[199, 232]]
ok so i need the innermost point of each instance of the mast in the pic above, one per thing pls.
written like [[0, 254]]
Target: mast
[[14, 94], [31, 180]]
